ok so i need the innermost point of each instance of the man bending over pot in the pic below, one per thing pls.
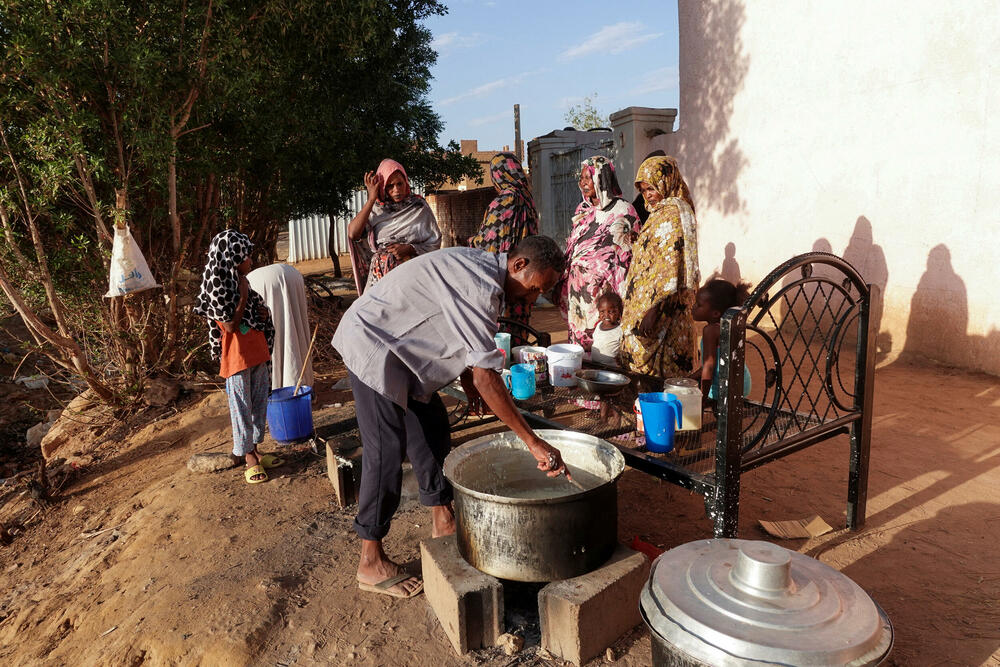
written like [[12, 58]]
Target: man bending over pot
[[428, 321]]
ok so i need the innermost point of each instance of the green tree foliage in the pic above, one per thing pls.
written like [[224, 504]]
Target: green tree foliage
[[181, 118], [585, 116]]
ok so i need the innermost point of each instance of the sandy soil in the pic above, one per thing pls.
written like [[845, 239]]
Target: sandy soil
[[140, 561]]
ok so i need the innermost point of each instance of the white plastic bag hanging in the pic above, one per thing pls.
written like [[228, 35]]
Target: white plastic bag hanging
[[129, 271]]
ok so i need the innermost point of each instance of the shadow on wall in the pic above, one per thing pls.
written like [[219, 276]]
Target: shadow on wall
[[713, 67], [939, 319], [869, 259], [730, 270]]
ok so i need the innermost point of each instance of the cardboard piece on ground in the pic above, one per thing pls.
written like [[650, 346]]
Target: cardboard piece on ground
[[812, 526]]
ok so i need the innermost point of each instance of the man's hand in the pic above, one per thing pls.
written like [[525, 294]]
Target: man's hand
[[477, 406], [548, 457]]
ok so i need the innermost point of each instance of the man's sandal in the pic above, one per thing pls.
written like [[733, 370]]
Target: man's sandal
[[385, 587], [255, 475], [270, 460]]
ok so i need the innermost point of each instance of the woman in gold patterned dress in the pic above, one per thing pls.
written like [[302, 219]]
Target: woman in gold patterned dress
[[657, 328]]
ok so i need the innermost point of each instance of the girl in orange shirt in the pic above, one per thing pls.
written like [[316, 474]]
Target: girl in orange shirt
[[241, 337]]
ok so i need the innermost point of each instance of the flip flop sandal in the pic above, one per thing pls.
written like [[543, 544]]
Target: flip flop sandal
[[270, 460], [250, 473], [385, 587]]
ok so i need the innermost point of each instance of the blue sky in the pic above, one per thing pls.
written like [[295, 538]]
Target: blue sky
[[546, 56]]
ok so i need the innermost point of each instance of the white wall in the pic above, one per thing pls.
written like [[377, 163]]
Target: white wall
[[868, 129]]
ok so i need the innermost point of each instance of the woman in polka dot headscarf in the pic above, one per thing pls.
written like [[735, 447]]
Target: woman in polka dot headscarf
[[241, 337]]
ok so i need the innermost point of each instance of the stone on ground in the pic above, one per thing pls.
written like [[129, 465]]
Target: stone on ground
[[36, 433], [210, 462], [160, 391], [510, 644], [72, 427]]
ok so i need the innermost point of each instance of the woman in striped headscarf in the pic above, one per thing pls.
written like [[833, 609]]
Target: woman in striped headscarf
[[657, 328], [510, 217]]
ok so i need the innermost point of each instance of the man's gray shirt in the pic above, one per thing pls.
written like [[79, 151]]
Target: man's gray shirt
[[425, 322]]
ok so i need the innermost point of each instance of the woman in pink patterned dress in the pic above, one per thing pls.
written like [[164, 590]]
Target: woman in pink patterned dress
[[599, 249]]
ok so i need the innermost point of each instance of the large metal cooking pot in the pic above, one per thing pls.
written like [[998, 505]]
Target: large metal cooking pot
[[742, 602], [514, 522]]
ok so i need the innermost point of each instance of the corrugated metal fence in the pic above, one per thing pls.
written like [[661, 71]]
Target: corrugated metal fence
[[309, 236]]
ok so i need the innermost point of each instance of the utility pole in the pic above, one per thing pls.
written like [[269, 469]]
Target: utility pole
[[517, 133]]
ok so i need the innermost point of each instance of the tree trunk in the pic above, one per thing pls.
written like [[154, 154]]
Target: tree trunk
[[8, 232], [70, 356], [332, 246]]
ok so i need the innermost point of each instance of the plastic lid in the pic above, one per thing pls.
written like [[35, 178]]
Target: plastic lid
[[681, 386], [757, 601]]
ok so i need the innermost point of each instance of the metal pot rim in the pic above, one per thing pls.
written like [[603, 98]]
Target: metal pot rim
[[552, 436]]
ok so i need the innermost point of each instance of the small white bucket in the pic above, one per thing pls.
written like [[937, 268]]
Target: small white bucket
[[564, 359]]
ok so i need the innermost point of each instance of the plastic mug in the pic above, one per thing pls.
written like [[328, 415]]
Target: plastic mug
[[503, 343], [521, 381], [661, 414]]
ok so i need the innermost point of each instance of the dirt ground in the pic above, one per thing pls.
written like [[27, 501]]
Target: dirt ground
[[140, 561]]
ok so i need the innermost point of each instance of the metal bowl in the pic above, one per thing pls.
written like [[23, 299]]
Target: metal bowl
[[601, 382]]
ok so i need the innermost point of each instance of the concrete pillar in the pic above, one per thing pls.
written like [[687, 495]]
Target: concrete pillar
[[635, 130]]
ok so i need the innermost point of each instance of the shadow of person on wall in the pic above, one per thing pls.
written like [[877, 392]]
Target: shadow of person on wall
[[939, 312], [868, 258], [730, 267]]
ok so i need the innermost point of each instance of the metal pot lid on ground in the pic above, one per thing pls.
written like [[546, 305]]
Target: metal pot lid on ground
[[739, 602]]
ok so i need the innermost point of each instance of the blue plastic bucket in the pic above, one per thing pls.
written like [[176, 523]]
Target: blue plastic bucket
[[290, 417], [660, 411]]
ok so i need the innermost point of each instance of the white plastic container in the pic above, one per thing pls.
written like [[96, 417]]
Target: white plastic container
[[564, 360], [689, 393]]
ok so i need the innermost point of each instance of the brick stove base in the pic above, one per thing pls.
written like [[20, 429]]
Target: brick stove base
[[579, 617]]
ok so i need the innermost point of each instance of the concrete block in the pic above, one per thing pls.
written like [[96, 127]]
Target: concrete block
[[583, 616], [343, 468], [344, 472], [468, 603]]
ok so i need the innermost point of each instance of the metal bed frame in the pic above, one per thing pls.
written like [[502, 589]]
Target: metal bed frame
[[798, 329]]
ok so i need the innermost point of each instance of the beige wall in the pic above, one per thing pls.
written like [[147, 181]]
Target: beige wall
[[867, 129]]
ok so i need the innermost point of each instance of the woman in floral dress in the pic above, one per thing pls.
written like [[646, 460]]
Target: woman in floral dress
[[510, 217], [599, 249], [657, 328]]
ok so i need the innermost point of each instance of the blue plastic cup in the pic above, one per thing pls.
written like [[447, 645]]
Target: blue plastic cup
[[521, 381], [660, 413]]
